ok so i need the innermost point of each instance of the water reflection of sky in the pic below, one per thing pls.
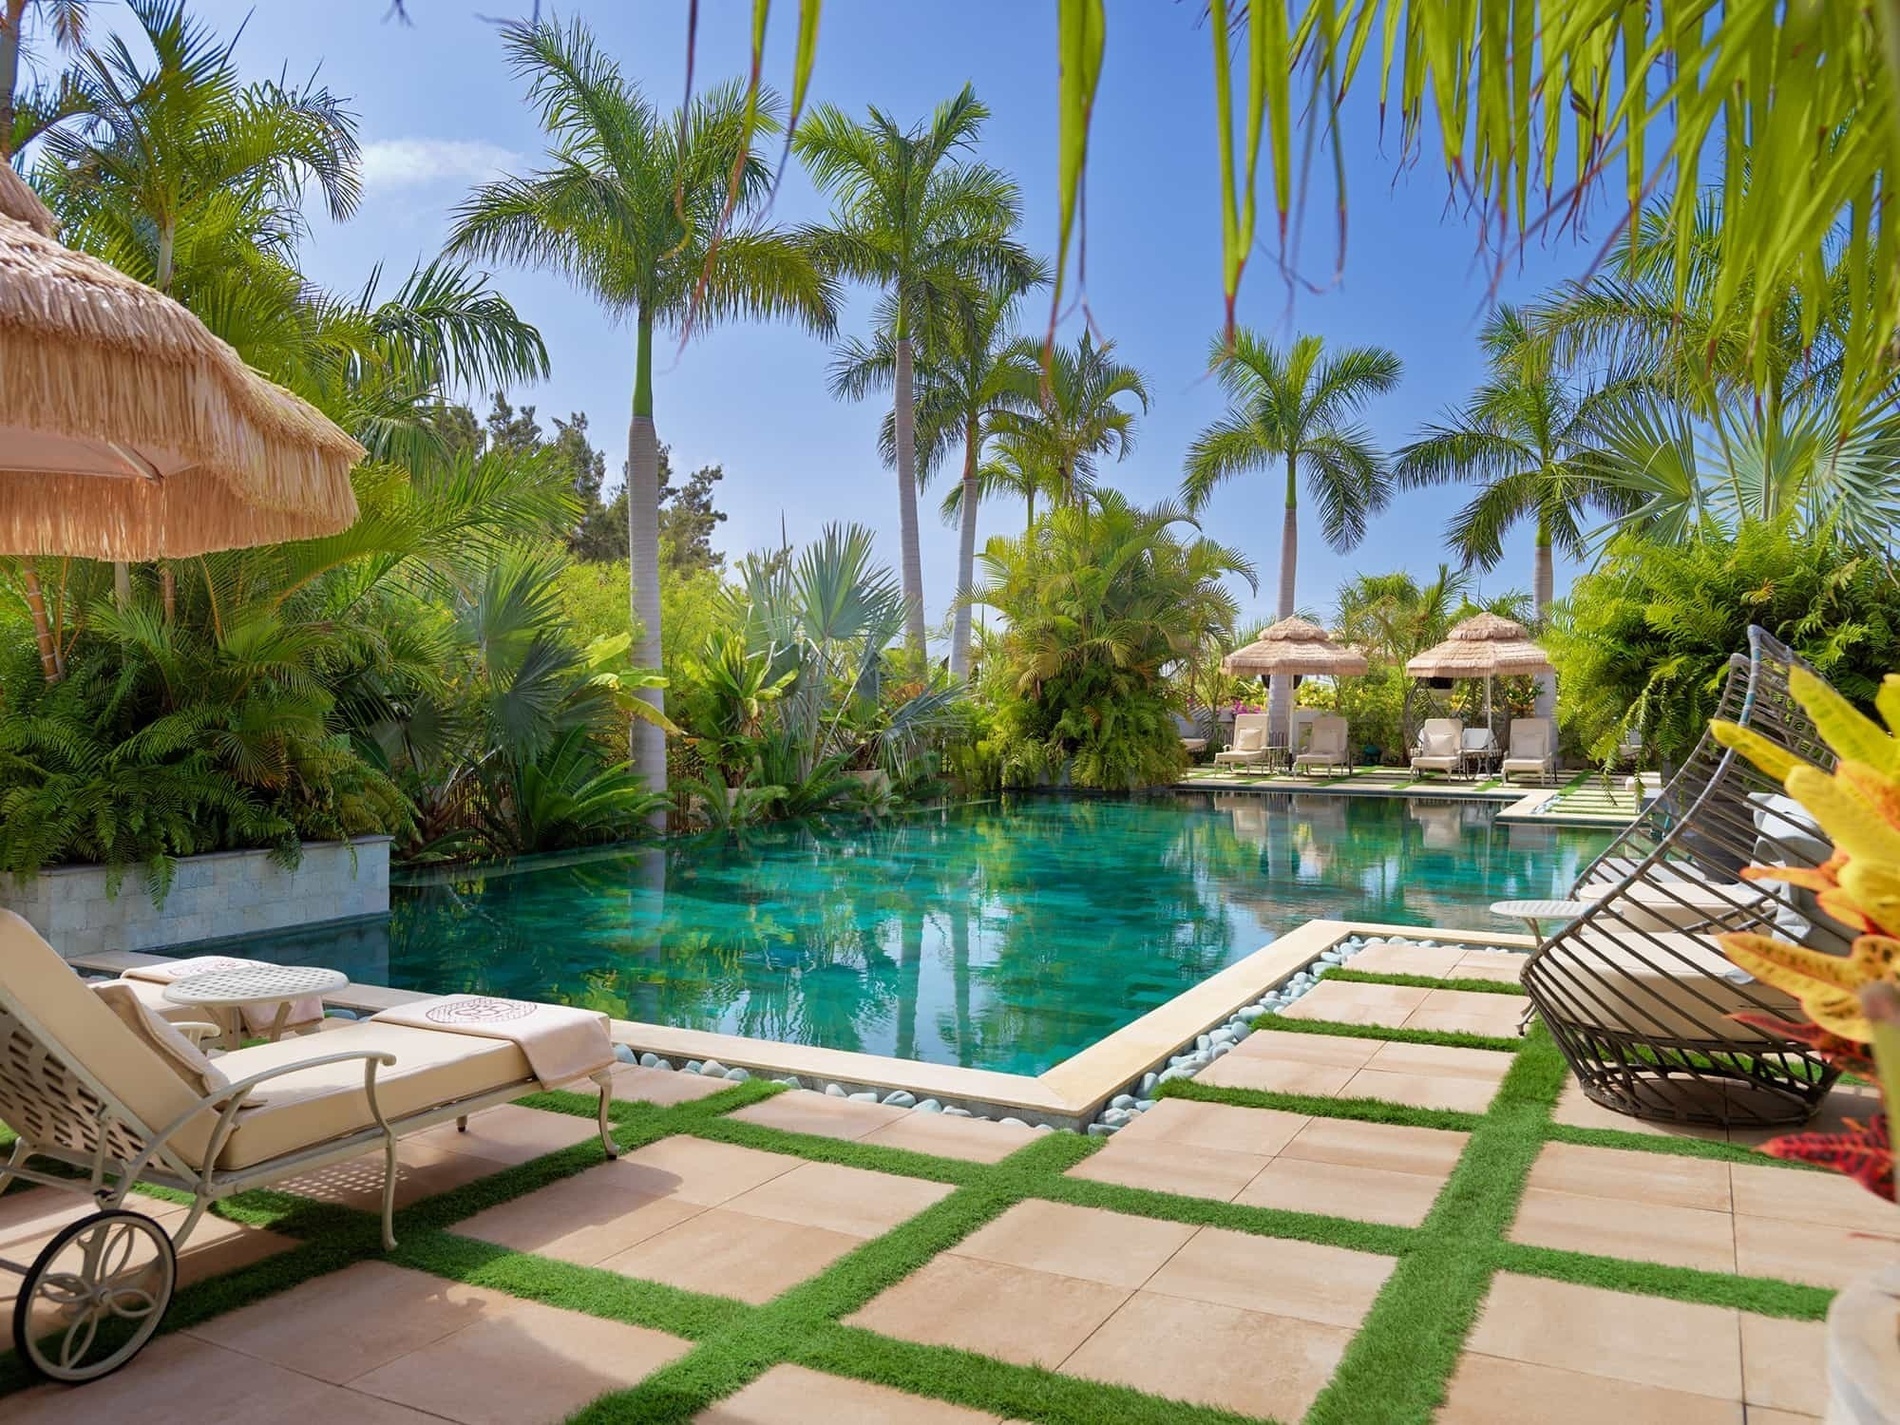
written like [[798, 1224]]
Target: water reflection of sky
[[995, 936]]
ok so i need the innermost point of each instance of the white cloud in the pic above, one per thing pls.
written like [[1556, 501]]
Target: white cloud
[[409, 163]]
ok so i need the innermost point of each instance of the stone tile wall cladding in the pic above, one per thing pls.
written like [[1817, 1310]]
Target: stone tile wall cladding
[[230, 893]]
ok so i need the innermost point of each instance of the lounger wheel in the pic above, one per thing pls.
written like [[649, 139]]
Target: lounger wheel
[[95, 1296]]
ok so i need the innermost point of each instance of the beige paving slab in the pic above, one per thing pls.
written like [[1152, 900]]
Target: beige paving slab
[[1468, 1012], [1766, 1415], [725, 1253], [1641, 1232], [1213, 1355], [1430, 1152], [1290, 1046], [336, 1327], [1189, 1123], [183, 1380], [792, 1395], [1280, 1277], [1442, 1061], [1663, 1179], [697, 1171], [1231, 1071], [840, 1199], [1343, 1190], [1505, 966], [1459, 1093], [1646, 1340], [1342, 1002], [1575, 1109], [1488, 1390], [633, 1084], [1031, 1318], [802, 1111], [1813, 1253], [510, 1134], [422, 1170], [1435, 963], [975, 1140], [523, 1365], [1086, 1242], [1772, 1191], [584, 1219], [1163, 1167], [1784, 1365]]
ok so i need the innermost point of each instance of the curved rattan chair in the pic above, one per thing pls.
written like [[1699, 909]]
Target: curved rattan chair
[[1636, 991]]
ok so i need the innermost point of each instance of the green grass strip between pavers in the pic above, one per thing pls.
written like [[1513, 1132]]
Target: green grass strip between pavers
[[1469, 984], [1762, 1295], [1396, 1369], [1672, 1145], [1363, 1110], [1442, 1038]]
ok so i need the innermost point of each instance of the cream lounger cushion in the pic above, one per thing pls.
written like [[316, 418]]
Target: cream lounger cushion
[[1250, 739], [183, 1057], [315, 1105], [1642, 989]]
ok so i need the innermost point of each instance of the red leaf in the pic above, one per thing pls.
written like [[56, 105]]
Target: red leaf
[[1848, 1055], [1864, 1154]]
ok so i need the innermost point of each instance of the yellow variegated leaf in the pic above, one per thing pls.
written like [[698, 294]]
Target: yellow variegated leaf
[[1848, 731], [1840, 905], [1792, 968], [1877, 788], [1774, 759], [1875, 956], [1832, 1006], [1855, 827], [1874, 890], [1812, 878]]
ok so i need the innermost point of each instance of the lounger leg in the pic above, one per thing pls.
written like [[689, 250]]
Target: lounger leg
[[389, 1191], [198, 1205], [461, 1124], [22, 1150], [606, 1081]]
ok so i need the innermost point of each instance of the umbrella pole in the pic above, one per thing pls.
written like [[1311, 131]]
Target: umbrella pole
[[42, 631]]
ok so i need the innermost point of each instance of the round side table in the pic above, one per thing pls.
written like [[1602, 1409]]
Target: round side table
[[1532, 912], [240, 989]]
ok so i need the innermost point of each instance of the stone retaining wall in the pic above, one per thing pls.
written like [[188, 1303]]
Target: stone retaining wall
[[230, 893]]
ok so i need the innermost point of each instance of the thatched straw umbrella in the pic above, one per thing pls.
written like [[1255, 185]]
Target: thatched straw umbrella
[[1294, 646], [1483, 646], [128, 431]]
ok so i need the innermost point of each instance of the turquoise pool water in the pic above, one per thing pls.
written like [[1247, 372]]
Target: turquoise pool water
[[998, 936]]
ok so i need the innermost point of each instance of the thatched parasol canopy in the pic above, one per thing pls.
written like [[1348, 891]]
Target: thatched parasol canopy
[[1294, 645], [128, 431], [1484, 646]]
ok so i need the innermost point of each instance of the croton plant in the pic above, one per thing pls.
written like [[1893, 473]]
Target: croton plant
[[1852, 1001]]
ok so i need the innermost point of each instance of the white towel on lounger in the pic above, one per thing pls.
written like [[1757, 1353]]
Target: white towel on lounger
[[560, 1043]]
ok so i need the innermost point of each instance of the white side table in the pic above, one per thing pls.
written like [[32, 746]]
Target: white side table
[[1531, 912], [239, 989]]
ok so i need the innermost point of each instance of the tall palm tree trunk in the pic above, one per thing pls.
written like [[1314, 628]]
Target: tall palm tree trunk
[[12, 16], [648, 749], [905, 419], [966, 555], [42, 630], [1543, 590], [1280, 686]]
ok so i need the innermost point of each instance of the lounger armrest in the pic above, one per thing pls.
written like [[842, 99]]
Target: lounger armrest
[[233, 1096]]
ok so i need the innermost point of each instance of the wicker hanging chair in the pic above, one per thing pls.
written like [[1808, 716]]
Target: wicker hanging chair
[[1636, 990]]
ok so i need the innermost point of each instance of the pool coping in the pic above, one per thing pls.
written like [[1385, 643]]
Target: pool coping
[[1067, 1095]]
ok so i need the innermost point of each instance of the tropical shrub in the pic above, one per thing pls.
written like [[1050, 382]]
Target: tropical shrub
[[1103, 599], [1643, 641]]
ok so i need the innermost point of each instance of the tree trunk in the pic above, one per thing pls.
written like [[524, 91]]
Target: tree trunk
[[1543, 589], [168, 591], [648, 748], [42, 630], [1280, 687], [122, 584], [905, 419], [10, 23], [966, 555]]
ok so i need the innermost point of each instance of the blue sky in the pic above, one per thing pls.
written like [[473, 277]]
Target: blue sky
[[439, 111]]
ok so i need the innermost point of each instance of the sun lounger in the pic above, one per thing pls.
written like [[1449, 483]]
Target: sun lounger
[[1440, 746], [1533, 749], [1327, 750], [1251, 746], [92, 1081]]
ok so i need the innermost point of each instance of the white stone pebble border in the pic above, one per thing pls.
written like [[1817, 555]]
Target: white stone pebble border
[[1135, 1099]]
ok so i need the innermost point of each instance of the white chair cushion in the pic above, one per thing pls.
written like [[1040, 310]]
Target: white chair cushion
[[1250, 739], [180, 1055]]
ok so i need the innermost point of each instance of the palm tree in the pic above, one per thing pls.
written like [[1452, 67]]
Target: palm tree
[[24, 117], [1077, 418], [967, 379], [1011, 466], [628, 209], [1396, 617], [1295, 409], [931, 228], [1526, 433]]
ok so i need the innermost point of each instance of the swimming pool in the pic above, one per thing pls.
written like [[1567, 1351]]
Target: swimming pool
[[1002, 935]]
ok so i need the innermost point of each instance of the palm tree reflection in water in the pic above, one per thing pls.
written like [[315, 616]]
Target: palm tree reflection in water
[[999, 936]]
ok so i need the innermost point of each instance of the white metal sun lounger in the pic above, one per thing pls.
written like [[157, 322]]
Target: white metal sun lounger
[[87, 1084]]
